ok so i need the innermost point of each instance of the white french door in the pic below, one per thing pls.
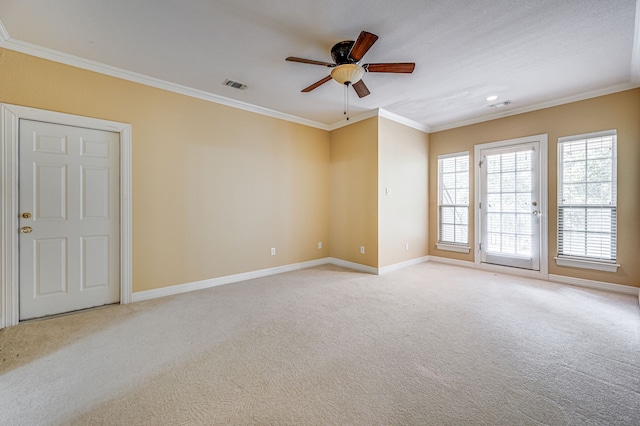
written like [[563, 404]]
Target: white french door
[[69, 247], [510, 201]]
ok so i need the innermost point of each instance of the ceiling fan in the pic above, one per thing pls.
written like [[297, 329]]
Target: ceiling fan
[[346, 70]]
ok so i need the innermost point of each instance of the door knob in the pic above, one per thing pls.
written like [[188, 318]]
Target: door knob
[[26, 215], [26, 229], [535, 212]]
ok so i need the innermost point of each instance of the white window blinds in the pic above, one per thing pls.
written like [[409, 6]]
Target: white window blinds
[[453, 198], [587, 221]]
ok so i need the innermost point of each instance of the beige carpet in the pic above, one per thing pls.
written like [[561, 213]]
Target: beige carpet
[[429, 345]]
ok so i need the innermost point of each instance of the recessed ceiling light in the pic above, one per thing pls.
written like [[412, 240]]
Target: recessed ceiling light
[[492, 97]]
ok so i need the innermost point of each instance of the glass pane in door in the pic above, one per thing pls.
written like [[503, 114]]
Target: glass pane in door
[[510, 230]]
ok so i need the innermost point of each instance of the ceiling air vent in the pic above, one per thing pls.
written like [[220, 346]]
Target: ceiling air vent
[[500, 104], [234, 84]]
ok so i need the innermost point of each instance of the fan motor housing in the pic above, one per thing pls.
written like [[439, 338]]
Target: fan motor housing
[[340, 52]]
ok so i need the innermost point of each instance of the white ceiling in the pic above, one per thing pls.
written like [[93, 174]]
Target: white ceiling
[[534, 53]]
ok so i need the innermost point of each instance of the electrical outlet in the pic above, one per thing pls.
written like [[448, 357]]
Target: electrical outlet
[[361, 249], [319, 245], [273, 251], [406, 247]]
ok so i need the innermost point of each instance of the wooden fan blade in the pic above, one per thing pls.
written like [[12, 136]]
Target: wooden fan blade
[[361, 89], [316, 84], [362, 45], [398, 67], [309, 61]]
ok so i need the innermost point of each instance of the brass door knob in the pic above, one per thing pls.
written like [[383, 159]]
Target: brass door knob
[[26, 215], [26, 229]]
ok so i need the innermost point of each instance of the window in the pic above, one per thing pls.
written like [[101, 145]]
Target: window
[[587, 216], [453, 202]]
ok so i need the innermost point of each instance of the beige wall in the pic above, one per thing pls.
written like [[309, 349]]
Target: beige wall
[[213, 187], [354, 192], [619, 111], [403, 212]]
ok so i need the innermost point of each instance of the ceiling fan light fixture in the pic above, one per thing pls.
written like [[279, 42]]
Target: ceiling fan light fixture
[[347, 73]]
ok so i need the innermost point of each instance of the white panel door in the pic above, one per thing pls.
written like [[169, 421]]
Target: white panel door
[[510, 200], [69, 218]]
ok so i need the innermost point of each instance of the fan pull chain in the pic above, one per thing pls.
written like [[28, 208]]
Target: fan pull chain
[[346, 99]]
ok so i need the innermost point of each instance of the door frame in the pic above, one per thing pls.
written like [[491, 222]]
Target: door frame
[[10, 116], [543, 168]]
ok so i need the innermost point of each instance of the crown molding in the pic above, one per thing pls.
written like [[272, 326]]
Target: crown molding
[[75, 61], [53, 55], [4, 35], [361, 117], [402, 120], [380, 112], [569, 99]]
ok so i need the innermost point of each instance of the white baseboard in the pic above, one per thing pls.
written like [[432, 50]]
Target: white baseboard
[[213, 282], [492, 268], [579, 282], [353, 265], [599, 285], [455, 262], [228, 279], [402, 265]]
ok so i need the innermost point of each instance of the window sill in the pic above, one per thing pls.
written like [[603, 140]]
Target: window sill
[[453, 247], [587, 264]]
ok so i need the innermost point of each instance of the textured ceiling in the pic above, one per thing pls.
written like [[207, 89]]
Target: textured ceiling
[[533, 53]]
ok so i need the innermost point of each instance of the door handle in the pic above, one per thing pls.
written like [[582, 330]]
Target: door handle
[[26, 229], [535, 212]]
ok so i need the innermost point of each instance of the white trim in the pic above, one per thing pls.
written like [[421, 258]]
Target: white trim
[[562, 101], [4, 35], [592, 135], [7, 42], [599, 285], [213, 282], [352, 120], [455, 154], [354, 266], [402, 265], [229, 279], [543, 203], [9, 123], [453, 247], [53, 55], [507, 270], [8, 218], [402, 120], [586, 264], [579, 282], [86, 64], [635, 52], [454, 262]]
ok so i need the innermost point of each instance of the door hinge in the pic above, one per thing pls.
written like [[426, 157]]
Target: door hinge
[[480, 247], [480, 205], [480, 163]]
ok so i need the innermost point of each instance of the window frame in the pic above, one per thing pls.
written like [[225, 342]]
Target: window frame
[[444, 244], [587, 262]]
